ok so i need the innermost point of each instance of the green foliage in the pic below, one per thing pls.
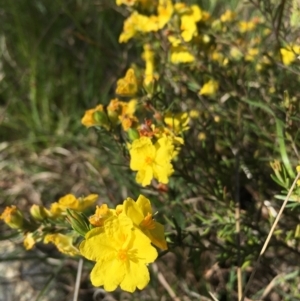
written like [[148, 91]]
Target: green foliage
[[60, 58]]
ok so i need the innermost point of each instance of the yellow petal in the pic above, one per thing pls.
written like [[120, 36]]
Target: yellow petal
[[137, 276], [209, 88], [144, 204], [64, 243], [29, 241], [108, 273], [157, 236], [144, 176], [133, 211]]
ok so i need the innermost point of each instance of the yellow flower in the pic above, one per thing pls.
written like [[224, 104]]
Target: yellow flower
[[114, 109], [140, 212], [289, 54], [101, 215], [69, 201], [246, 26], [166, 132], [251, 54], [121, 254], [216, 55], [189, 16], [29, 241], [180, 54], [95, 117], [217, 119], [128, 85], [194, 114], [235, 53], [136, 23], [188, 23], [122, 112], [177, 122], [181, 8], [174, 40], [148, 57], [165, 11], [210, 88], [64, 243], [128, 108], [13, 217], [127, 118], [206, 16], [272, 90], [151, 161], [131, 26], [201, 136], [128, 122], [56, 209], [228, 16]]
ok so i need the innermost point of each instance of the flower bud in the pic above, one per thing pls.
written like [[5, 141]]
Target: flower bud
[[39, 213], [101, 119], [78, 221], [133, 134], [13, 217], [150, 84], [29, 241]]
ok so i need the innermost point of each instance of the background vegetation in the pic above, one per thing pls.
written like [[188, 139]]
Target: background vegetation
[[60, 58]]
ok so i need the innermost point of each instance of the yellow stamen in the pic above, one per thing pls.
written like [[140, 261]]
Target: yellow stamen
[[148, 222], [122, 255], [148, 160]]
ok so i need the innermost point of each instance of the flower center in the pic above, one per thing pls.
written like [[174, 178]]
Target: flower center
[[148, 160], [122, 255], [148, 222]]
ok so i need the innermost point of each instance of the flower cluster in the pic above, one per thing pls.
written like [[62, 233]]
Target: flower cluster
[[189, 35], [180, 21], [154, 142], [120, 240], [49, 225], [120, 244]]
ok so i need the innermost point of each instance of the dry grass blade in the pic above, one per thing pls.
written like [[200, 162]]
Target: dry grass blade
[[78, 279], [164, 282], [269, 236], [213, 297]]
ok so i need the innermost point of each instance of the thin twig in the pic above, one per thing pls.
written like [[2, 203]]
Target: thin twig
[[280, 17], [270, 286], [163, 282], [269, 236], [78, 279], [213, 297], [238, 223]]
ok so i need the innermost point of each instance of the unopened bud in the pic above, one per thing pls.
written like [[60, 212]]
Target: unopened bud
[[78, 221], [101, 118], [13, 217], [150, 84], [276, 166], [39, 213], [133, 134]]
